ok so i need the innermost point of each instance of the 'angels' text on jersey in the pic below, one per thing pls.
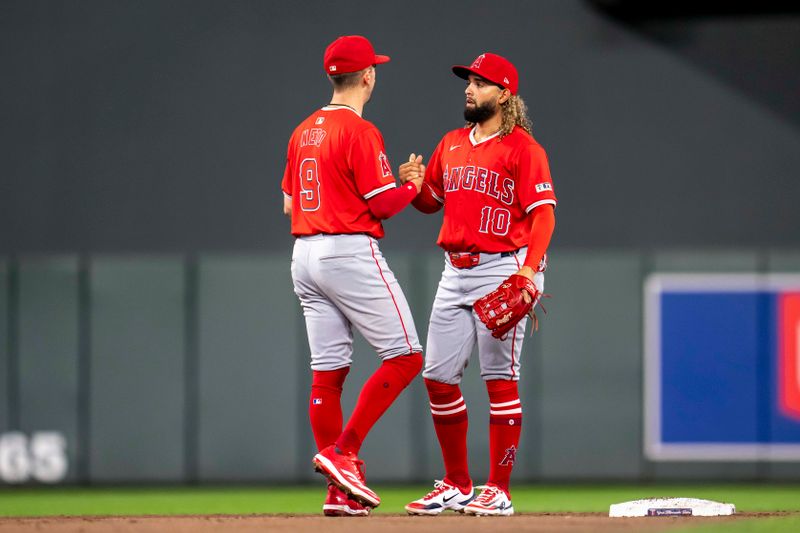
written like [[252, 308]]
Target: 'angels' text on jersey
[[479, 179]]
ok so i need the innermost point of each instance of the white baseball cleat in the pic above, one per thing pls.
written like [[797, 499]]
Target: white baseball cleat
[[491, 502], [443, 496]]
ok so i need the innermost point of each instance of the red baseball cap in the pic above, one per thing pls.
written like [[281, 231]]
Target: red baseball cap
[[497, 69], [351, 53]]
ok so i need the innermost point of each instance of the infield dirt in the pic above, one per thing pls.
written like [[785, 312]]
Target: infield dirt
[[540, 523]]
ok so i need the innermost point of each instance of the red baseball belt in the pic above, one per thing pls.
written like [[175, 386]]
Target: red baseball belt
[[471, 259]]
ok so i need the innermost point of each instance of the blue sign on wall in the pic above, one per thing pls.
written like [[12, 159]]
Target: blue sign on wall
[[722, 367]]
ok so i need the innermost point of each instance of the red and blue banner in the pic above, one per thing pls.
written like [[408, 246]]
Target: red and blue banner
[[789, 353], [722, 367]]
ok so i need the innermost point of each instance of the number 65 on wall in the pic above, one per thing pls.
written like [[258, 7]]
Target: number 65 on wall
[[42, 457]]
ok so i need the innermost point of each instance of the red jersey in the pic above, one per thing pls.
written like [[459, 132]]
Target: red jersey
[[335, 162], [488, 188]]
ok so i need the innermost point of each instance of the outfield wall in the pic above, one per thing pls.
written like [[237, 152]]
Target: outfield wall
[[195, 369]]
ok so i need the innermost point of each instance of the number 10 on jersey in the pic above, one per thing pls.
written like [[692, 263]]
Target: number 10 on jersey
[[496, 221]]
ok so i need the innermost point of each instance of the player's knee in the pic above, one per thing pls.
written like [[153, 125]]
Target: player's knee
[[502, 387], [438, 390], [408, 365], [415, 362], [329, 379]]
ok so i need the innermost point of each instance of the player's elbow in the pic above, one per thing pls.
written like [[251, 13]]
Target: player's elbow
[[426, 205], [427, 209]]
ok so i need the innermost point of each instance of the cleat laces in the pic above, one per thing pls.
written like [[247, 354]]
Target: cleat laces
[[362, 471], [489, 493], [439, 486]]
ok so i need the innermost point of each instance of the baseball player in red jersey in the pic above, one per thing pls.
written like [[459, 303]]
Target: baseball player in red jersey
[[337, 187], [493, 180]]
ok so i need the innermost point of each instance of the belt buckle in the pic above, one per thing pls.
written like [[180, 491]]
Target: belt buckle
[[464, 259]]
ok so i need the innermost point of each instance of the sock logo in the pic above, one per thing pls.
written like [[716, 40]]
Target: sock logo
[[509, 457]]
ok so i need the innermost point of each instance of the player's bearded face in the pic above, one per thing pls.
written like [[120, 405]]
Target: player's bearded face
[[477, 113], [482, 99]]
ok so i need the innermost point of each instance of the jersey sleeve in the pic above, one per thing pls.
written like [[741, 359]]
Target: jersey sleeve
[[533, 178], [371, 168], [286, 184], [434, 176]]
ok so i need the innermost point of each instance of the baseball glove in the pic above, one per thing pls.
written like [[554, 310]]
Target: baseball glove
[[505, 306]]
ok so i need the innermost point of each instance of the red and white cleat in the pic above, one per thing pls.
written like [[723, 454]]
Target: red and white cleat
[[344, 471], [337, 503], [491, 502]]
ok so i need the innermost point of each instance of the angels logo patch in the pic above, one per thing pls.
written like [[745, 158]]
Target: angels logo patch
[[509, 457], [386, 169]]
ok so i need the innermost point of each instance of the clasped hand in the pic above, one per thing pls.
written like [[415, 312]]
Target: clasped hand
[[412, 171]]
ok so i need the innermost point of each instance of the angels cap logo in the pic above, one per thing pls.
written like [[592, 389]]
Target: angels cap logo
[[478, 61], [509, 457]]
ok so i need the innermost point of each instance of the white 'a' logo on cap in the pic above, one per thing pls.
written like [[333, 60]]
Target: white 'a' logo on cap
[[478, 61]]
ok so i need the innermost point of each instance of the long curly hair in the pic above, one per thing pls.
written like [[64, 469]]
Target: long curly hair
[[515, 113]]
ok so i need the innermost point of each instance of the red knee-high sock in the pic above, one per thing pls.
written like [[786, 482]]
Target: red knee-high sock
[[376, 396], [505, 424], [325, 405], [450, 421]]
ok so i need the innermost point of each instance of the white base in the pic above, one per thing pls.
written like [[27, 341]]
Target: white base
[[671, 507]]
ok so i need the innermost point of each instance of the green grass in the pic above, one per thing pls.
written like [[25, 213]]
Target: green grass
[[308, 500]]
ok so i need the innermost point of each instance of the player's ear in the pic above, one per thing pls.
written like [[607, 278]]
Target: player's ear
[[505, 94]]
